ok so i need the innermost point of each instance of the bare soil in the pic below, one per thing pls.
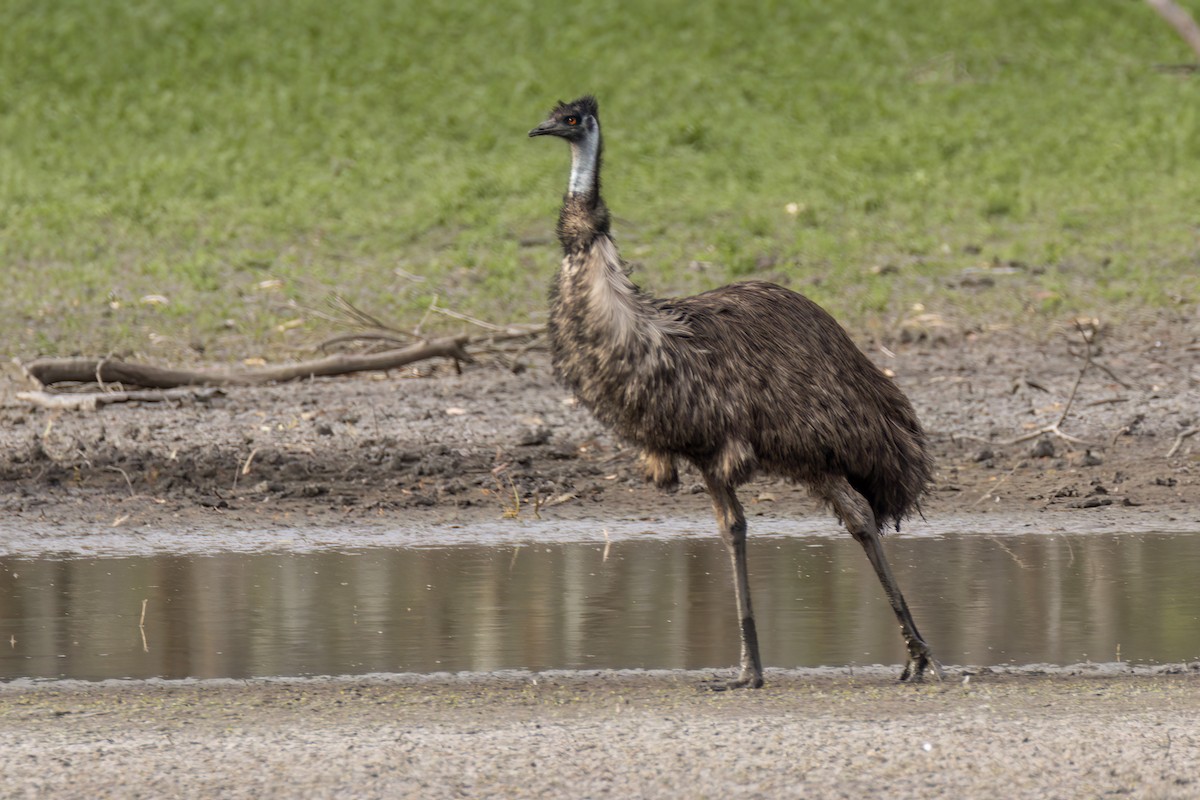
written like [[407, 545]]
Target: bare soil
[[491, 442]]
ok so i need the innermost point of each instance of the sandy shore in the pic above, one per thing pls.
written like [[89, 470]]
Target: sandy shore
[[1061, 733]]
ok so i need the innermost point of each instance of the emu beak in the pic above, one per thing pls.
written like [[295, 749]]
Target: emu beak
[[544, 129]]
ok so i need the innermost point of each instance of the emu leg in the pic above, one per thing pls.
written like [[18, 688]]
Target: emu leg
[[858, 518], [732, 523]]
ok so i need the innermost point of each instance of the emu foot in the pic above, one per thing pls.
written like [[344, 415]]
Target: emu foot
[[920, 658], [743, 681]]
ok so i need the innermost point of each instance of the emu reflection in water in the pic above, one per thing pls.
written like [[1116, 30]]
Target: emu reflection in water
[[654, 603]]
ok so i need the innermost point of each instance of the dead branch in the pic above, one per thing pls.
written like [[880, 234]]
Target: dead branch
[[89, 401], [49, 371], [1179, 19]]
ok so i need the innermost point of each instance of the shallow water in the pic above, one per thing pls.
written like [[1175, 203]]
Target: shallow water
[[648, 602]]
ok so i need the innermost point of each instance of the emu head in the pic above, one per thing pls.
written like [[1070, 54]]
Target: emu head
[[574, 121], [579, 123]]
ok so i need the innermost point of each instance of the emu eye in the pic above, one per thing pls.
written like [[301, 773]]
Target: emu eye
[[572, 120]]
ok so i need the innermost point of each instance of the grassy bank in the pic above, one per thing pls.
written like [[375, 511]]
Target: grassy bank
[[983, 159]]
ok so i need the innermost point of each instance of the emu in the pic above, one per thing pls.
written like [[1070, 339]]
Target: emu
[[748, 378]]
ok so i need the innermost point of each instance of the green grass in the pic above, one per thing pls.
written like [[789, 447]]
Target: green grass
[[246, 159]]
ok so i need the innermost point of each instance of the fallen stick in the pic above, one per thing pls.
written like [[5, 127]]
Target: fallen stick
[[89, 401], [49, 371]]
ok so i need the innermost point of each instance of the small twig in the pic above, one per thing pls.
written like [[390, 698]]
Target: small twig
[[446, 312], [1087, 362], [364, 337], [510, 357], [1107, 401], [1119, 433], [124, 475], [99, 370], [340, 303], [1008, 550], [408, 276], [1179, 440], [510, 333], [1107, 371], [516, 497], [142, 626], [1053, 428], [1070, 550], [425, 316], [245, 470], [497, 471], [1000, 482], [1024, 380]]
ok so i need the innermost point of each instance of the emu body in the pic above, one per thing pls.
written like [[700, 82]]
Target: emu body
[[746, 378]]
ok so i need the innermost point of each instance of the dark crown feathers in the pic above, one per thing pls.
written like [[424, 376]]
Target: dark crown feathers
[[584, 106]]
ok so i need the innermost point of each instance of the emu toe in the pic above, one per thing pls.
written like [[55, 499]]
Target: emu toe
[[920, 658], [742, 682]]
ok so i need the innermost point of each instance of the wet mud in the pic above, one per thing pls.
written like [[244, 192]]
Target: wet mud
[[432, 445]]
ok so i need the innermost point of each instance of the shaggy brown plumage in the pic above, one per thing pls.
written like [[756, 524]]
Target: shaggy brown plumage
[[746, 378]]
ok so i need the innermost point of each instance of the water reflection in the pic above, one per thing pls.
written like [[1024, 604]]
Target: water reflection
[[657, 603]]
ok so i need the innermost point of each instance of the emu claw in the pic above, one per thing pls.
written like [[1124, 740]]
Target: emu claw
[[918, 661], [742, 682]]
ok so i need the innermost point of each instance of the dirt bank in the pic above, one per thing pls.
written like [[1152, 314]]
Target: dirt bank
[[490, 443]]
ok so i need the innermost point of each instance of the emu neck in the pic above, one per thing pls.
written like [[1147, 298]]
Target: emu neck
[[593, 296], [582, 219], [585, 166], [584, 215]]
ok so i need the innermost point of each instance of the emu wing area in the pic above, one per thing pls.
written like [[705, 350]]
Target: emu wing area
[[766, 366]]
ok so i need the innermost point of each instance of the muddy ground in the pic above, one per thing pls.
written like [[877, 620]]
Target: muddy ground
[[489, 444]]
